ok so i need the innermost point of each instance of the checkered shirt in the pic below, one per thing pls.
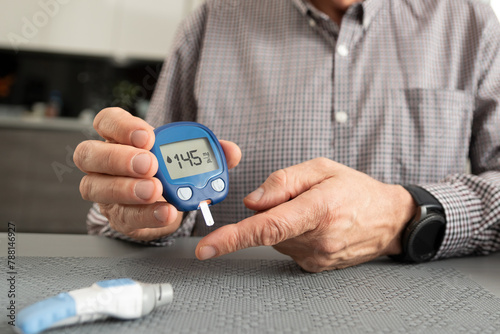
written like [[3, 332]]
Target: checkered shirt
[[407, 91]]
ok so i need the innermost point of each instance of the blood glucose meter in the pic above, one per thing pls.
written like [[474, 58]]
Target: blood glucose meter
[[192, 166]]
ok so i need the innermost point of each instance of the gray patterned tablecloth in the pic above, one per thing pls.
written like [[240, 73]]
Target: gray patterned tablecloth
[[273, 296]]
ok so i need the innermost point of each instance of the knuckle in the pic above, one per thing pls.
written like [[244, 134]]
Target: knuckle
[[117, 217], [310, 265], [278, 178], [322, 160], [102, 115], [327, 214], [136, 216], [329, 247], [316, 264], [115, 190], [109, 190], [274, 231], [109, 211], [105, 209], [82, 154], [323, 211], [104, 122], [236, 240], [108, 161], [115, 214], [120, 221], [323, 163], [85, 185], [330, 211], [136, 234], [99, 117]]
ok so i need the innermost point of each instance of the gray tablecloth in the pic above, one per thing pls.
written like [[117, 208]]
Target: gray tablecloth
[[273, 296]]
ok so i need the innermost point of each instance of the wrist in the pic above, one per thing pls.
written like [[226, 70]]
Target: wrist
[[405, 208], [423, 234]]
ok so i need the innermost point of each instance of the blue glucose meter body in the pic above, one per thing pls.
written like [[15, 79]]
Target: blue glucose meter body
[[192, 166]]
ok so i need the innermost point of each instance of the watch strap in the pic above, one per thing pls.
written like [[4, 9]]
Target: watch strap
[[424, 233], [424, 198]]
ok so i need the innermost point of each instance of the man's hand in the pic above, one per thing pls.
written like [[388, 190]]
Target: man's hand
[[120, 176], [322, 214]]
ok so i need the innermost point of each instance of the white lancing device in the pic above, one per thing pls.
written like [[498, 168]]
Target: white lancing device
[[121, 298]]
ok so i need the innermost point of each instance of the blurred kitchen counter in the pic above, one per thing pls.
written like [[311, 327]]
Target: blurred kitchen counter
[[39, 123], [38, 180]]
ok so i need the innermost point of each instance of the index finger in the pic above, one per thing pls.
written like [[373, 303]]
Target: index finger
[[288, 183], [119, 126], [286, 221]]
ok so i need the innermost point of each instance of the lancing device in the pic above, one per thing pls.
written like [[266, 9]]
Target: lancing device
[[192, 167], [121, 298]]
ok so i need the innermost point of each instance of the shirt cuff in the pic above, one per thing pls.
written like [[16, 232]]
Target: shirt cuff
[[459, 222], [97, 224]]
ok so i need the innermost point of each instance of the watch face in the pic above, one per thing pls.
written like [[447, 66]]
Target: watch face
[[426, 237]]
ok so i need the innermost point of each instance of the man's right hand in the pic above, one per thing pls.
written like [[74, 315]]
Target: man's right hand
[[120, 176]]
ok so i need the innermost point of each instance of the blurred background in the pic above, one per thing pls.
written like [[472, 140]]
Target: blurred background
[[61, 61]]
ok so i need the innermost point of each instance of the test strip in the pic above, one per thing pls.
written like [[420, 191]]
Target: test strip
[[209, 220]]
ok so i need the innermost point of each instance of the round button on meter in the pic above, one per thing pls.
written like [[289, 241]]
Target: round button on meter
[[218, 185], [192, 166], [184, 193]]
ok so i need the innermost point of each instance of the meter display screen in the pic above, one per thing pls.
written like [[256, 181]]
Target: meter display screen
[[189, 157]]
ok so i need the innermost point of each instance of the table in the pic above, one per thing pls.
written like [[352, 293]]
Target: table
[[259, 290]]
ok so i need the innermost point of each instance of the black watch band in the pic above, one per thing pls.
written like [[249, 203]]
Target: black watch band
[[424, 233], [423, 197]]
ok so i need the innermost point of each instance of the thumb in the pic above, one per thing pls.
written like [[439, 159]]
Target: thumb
[[288, 183], [232, 153]]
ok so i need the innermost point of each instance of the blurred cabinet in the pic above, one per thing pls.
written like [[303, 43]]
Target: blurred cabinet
[[39, 181], [119, 28]]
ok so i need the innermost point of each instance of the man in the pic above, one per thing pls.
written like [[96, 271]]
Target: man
[[389, 93]]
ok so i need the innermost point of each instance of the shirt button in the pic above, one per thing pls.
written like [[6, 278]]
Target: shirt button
[[341, 117], [312, 23], [342, 50]]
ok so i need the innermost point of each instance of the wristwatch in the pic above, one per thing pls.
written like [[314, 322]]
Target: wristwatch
[[424, 233]]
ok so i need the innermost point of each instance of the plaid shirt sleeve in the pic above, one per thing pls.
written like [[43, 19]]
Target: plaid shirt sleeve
[[472, 201]]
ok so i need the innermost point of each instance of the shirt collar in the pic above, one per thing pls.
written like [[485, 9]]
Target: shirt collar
[[301, 6], [370, 8], [306, 9]]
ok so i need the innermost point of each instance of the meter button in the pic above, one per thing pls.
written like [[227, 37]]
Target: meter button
[[218, 185], [184, 193]]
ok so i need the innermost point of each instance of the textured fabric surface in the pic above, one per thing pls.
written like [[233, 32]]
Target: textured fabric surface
[[405, 90], [274, 296]]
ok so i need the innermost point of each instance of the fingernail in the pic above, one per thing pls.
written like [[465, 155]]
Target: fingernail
[[139, 138], [207, 252], [141, 163], [144, 189], [256, 195], [161, 213]]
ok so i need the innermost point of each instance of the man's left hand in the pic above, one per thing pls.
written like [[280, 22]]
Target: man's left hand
[[323, 214]]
